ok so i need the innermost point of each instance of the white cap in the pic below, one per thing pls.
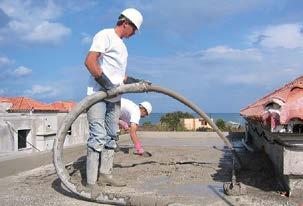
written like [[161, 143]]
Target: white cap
[[134, 16], [146, 106]]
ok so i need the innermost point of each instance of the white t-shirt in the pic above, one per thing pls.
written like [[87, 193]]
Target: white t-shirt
[[113, 59], [130, 112]]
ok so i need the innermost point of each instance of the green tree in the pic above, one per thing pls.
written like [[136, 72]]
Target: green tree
[[171, 121], [147, 123], [221, 124]]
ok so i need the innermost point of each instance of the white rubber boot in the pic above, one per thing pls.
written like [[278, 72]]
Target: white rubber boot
[[106, 168], [92, 161]]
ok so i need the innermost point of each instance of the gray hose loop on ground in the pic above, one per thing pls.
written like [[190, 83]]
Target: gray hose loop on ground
[[103, 197]]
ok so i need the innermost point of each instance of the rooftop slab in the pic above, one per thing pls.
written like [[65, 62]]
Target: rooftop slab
[[185, 168]]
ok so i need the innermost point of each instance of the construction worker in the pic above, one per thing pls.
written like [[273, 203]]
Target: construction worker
[[106, 61], [130, 117]]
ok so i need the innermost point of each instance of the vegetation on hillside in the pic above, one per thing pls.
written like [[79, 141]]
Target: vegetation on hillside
[[171, 121], [221, 124]]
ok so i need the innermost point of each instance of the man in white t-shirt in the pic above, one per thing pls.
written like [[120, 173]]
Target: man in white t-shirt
[[130, 116], [106, 62]]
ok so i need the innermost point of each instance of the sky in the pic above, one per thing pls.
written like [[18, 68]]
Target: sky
[[220, 55]]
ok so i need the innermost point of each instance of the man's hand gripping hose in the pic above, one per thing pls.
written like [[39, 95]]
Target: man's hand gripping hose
[[132, 80], [104, 82]]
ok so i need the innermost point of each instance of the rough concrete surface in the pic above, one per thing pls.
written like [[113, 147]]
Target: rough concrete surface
[[185, 169]]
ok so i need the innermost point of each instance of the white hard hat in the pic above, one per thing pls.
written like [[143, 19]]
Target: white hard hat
[[147, 106], [134, 16]]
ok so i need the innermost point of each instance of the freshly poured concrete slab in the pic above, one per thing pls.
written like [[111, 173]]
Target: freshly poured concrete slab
[[184, 169]]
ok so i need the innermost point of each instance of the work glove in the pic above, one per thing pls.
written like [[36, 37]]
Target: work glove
[[131, 80], [139, 148], [104, 82], [140, 151]]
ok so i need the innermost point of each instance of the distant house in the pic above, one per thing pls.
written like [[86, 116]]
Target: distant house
[[194, 124], [275, 126], [29, 125]]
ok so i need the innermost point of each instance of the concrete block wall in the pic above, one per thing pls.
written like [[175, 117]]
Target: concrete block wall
[[10, 126], [6, 138], [288, 164], [79, 130], [42, 130]]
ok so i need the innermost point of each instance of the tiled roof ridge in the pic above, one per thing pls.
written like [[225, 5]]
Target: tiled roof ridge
[[286, 86], [291, 104], [22, 103], [4, 99], [27, 102], [282, 88]]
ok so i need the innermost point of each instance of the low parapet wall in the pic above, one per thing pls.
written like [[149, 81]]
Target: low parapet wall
[[286, 153]]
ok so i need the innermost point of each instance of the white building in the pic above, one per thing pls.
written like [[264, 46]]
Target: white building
[[29, 125], [194, 123]]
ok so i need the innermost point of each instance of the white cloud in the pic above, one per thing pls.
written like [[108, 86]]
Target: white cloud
[[290, 69], [244, 78], [46, 31], [41, 91], [29, 10], [222, 65], [22, 71], [223, 78], [79, 5], [2, 91], [227, 53], [86, 38], [175, 16], [288, 36], [32, 22], [5, 61]]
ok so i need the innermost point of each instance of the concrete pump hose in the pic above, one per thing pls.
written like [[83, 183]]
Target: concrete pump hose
[[200, 112], [105, 197]]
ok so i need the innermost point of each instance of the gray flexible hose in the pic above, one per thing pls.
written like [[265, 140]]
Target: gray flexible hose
[[104, 197]]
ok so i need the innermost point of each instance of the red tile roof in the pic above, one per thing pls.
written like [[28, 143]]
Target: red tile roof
[[293, 107], [4, 99], [63, 106], [289, 97], [22, 104]]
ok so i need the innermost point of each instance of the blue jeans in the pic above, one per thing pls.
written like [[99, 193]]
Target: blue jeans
[[103, 120]]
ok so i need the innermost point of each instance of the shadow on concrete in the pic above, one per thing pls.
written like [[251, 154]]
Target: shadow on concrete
[[77, 172], [74, 169], [125, 148], [78, 168], [57, 186], [257, 170]]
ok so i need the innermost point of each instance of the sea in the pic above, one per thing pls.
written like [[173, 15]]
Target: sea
[[154, 118]]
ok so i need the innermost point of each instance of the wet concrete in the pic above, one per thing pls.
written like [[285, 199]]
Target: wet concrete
[[184, 169], [14, 163]]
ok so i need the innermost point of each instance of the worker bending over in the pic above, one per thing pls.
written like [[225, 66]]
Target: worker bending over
[[129, 119]]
